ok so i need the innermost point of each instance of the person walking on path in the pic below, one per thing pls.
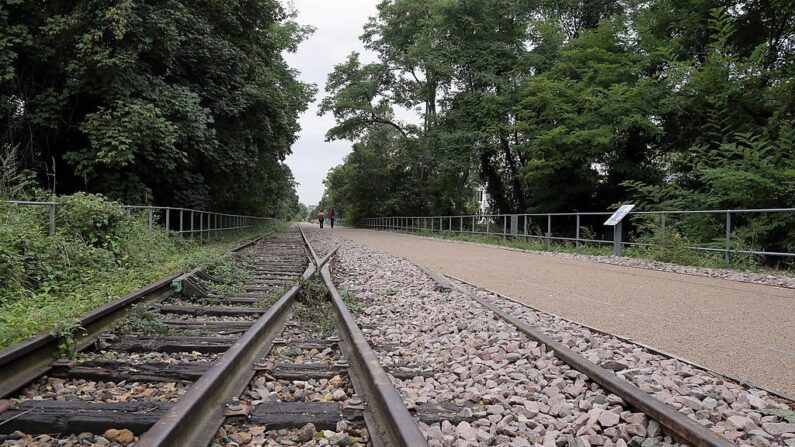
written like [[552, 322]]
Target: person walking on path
[[331, 215], [320, 217]]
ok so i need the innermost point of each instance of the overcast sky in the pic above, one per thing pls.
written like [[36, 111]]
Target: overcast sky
[[338, 25]]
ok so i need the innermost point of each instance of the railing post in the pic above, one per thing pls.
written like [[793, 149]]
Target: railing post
[[577, 236], [473, 225], [525, 227], [617, 230], [549, 231], [201, 226], [52, 219], [192, 213], [181, 219], [168, 219], [727, 254], [504, 227], [514, 225], [662, 221], [461, 224]]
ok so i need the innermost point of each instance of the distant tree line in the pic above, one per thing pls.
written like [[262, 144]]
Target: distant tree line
[[185, 103], [566, 105]]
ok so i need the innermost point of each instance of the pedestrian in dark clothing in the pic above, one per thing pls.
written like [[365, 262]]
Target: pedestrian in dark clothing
[[331, 216], [320, 217]]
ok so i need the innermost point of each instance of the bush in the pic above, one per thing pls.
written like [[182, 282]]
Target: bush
[[91, 219], [98, 253]]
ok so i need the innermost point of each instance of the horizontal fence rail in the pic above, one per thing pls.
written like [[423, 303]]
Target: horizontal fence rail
[[572, 228], [184, 221]]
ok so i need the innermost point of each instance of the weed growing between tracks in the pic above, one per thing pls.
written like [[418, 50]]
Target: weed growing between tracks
[[351, 301], [99, 253], [314, 307], [272, 296], [230, 273], [144, 319]]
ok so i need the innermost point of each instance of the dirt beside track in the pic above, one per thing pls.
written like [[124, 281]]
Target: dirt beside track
[[743, 330]]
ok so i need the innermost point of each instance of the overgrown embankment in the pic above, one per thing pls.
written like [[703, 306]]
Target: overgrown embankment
[[99, 253]]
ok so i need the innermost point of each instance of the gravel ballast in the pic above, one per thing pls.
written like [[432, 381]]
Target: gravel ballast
[[737, 328], [510, 390]]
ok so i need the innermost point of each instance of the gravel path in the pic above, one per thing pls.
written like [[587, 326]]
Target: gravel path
[[513, 392], [743, 330]]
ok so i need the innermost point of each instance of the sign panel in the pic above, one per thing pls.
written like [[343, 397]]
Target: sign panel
[[619, 215]]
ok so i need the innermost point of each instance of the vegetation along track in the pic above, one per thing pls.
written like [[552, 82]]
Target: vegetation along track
[[281, 363]]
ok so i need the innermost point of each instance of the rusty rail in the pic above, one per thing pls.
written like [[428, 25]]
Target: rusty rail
[[677, 423], [25, 361], [387, 417], [196, 417]]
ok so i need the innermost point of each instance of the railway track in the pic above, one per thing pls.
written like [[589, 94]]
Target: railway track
[[287, 363], [519, 380], [283, 363]]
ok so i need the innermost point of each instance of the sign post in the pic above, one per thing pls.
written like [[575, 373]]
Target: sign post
[[616, 221]]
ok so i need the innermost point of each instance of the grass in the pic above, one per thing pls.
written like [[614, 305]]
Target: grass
[[314, 306], [230, 273], [350, 300], [99, 254]]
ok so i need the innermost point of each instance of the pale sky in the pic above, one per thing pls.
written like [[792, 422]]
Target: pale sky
[[338, 24]]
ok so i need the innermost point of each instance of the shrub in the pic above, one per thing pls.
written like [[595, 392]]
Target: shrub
[[98, 253]]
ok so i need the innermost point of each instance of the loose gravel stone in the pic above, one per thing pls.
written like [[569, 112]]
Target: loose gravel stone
[[726, 407], [513, 390]]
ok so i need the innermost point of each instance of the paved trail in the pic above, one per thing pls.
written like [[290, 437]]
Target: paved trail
[[744, 330]]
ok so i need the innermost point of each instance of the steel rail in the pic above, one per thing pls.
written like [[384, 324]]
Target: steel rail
[[196, 417], [25, 361], [682, 426], [387, 417], [743, 382]]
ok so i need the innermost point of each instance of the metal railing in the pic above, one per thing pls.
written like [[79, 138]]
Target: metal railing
[[527, 226], [184, 221]]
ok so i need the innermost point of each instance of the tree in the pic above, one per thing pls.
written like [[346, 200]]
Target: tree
[[176, 103], [571, 105]]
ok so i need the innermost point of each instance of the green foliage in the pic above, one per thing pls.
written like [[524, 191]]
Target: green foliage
[[572, 106], [91, 219], [230, 273], [783, 414], [314, 307], [669, 246], [66, 332], [98, 254], [272, 296], [182, 103], [351, 301], [143, 319]]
